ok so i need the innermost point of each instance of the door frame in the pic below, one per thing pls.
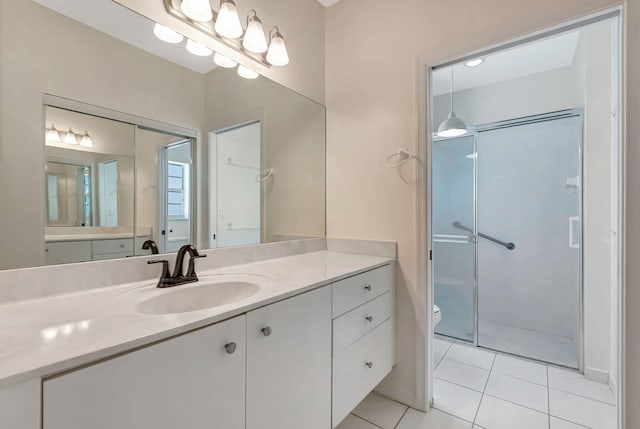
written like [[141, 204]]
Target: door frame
[[424, 109]]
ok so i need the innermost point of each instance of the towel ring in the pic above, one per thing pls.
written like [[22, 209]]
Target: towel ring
[[403, 156], [263, 177]]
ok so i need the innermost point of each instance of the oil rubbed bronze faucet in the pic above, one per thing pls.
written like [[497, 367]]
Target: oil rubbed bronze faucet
[[150, 245], [178, 277]]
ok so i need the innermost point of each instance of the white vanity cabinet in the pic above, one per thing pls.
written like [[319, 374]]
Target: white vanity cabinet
[[289, 363], [20, 406], [193, 381]]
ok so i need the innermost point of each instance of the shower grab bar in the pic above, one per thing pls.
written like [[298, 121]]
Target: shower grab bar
[[509, 246]]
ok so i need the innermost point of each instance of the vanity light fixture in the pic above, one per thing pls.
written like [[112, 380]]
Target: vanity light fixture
[[198, 10], [86, 140], [254, 39], [452, 126], [166, 34], [198, 49], [247, 73], [228, 22], [70, 137], [53, 134], [474, 62], [223, 61], [277, 53]]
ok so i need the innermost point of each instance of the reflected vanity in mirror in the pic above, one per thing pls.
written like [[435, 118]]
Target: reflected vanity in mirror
[[141, 140]]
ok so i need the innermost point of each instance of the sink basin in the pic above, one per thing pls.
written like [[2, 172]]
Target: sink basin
[[182, 299]]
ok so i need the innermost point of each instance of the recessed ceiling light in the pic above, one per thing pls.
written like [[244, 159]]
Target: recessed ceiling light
[[475, 62], [197, 49]]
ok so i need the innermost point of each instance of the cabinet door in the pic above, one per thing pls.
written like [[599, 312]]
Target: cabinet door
[[189, 382], [20, 406], [289, 363]]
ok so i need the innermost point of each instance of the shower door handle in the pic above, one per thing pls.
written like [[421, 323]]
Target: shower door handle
[[574, 232]]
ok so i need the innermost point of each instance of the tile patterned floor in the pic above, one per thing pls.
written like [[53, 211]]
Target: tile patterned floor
[[478, 389]]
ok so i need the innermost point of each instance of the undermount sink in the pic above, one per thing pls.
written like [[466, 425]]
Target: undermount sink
[[196, 297]]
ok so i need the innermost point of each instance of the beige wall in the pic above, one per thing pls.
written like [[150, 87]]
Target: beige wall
[[373, 98]]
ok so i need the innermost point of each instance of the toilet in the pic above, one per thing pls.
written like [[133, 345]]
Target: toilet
[[436, 315]]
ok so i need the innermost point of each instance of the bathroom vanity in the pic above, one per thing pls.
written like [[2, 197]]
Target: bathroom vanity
[[313, 337]]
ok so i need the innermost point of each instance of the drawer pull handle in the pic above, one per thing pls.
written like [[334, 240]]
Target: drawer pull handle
[[369, 319], [369, 364], [230, 348], [122, 246], [266, 331], [368, 288]]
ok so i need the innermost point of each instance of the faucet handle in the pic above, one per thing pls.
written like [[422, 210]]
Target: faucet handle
[[165, 266]]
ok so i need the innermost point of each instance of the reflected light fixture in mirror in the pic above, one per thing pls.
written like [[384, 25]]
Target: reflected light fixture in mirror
[[86, 140], [277, 54], [198, 10], [197, 49], [166, 34], [247, 73], [254, 39], [228, 22], [52, 134], [223, 61], [474, 62], [452, 126], [70, 137]]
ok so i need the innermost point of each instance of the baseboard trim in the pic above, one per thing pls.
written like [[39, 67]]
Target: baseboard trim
[[597, 375], [398, 396]]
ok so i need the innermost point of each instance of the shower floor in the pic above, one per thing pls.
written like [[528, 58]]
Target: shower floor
[[555, 349]]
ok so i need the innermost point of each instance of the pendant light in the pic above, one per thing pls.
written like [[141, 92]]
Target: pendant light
[[86, 140], [228, 22], [223, 61], [166, 34], [254, 39], [277, 54], [53, 135], [70, 137], [247, 73], [452, 126], [198, 49], [198, 10]]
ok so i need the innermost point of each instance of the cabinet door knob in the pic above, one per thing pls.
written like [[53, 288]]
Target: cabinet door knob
[[266, 331], [230, 348], [367, 288], [369, 318], [369, 364]]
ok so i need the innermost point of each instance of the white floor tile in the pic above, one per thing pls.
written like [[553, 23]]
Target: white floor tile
[[432, 420], [521, 392], [471, 356], [462, 374], [557, 423], [455, 400], [520, 368], [380, 411], [437, 360], [498, 414], [577, 384], [584, 411], [353, 422], [440, 346]]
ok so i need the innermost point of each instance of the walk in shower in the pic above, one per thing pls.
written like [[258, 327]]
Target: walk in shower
[[506, 204]]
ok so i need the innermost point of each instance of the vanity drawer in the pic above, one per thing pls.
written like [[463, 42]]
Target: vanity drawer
[[64, 252], [353, 379], [355, 291], [361, 320], [102, 247]]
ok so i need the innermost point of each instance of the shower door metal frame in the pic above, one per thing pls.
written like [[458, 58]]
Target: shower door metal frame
[[533, 119]]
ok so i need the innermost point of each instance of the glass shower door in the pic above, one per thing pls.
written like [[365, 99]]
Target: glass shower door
[[529, 297], [454, 254]]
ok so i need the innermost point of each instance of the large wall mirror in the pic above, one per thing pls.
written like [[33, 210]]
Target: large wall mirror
[[115, 144]]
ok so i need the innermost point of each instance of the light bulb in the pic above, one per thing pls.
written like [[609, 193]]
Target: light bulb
[[475, 62], [198, 10], [247, 73], [254, 40], [86, 140], [197, 49], [228, 21], [166, 34], [53, 134], [70, 137], [277, 54], [223, 61]]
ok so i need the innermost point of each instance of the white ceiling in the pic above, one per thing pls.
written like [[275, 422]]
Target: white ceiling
[[126, 25], [525, 60]]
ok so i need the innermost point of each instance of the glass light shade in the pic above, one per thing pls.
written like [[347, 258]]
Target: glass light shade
[[223, 61], [197, 49], [452, 126], [166, 34], [247, 73], [277, 54], [254, 39], [53, 135], [228, 22], [86, 140], [198, 10], [70, 137]]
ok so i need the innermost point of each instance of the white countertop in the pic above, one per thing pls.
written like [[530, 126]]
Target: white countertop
[[45, 336]]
